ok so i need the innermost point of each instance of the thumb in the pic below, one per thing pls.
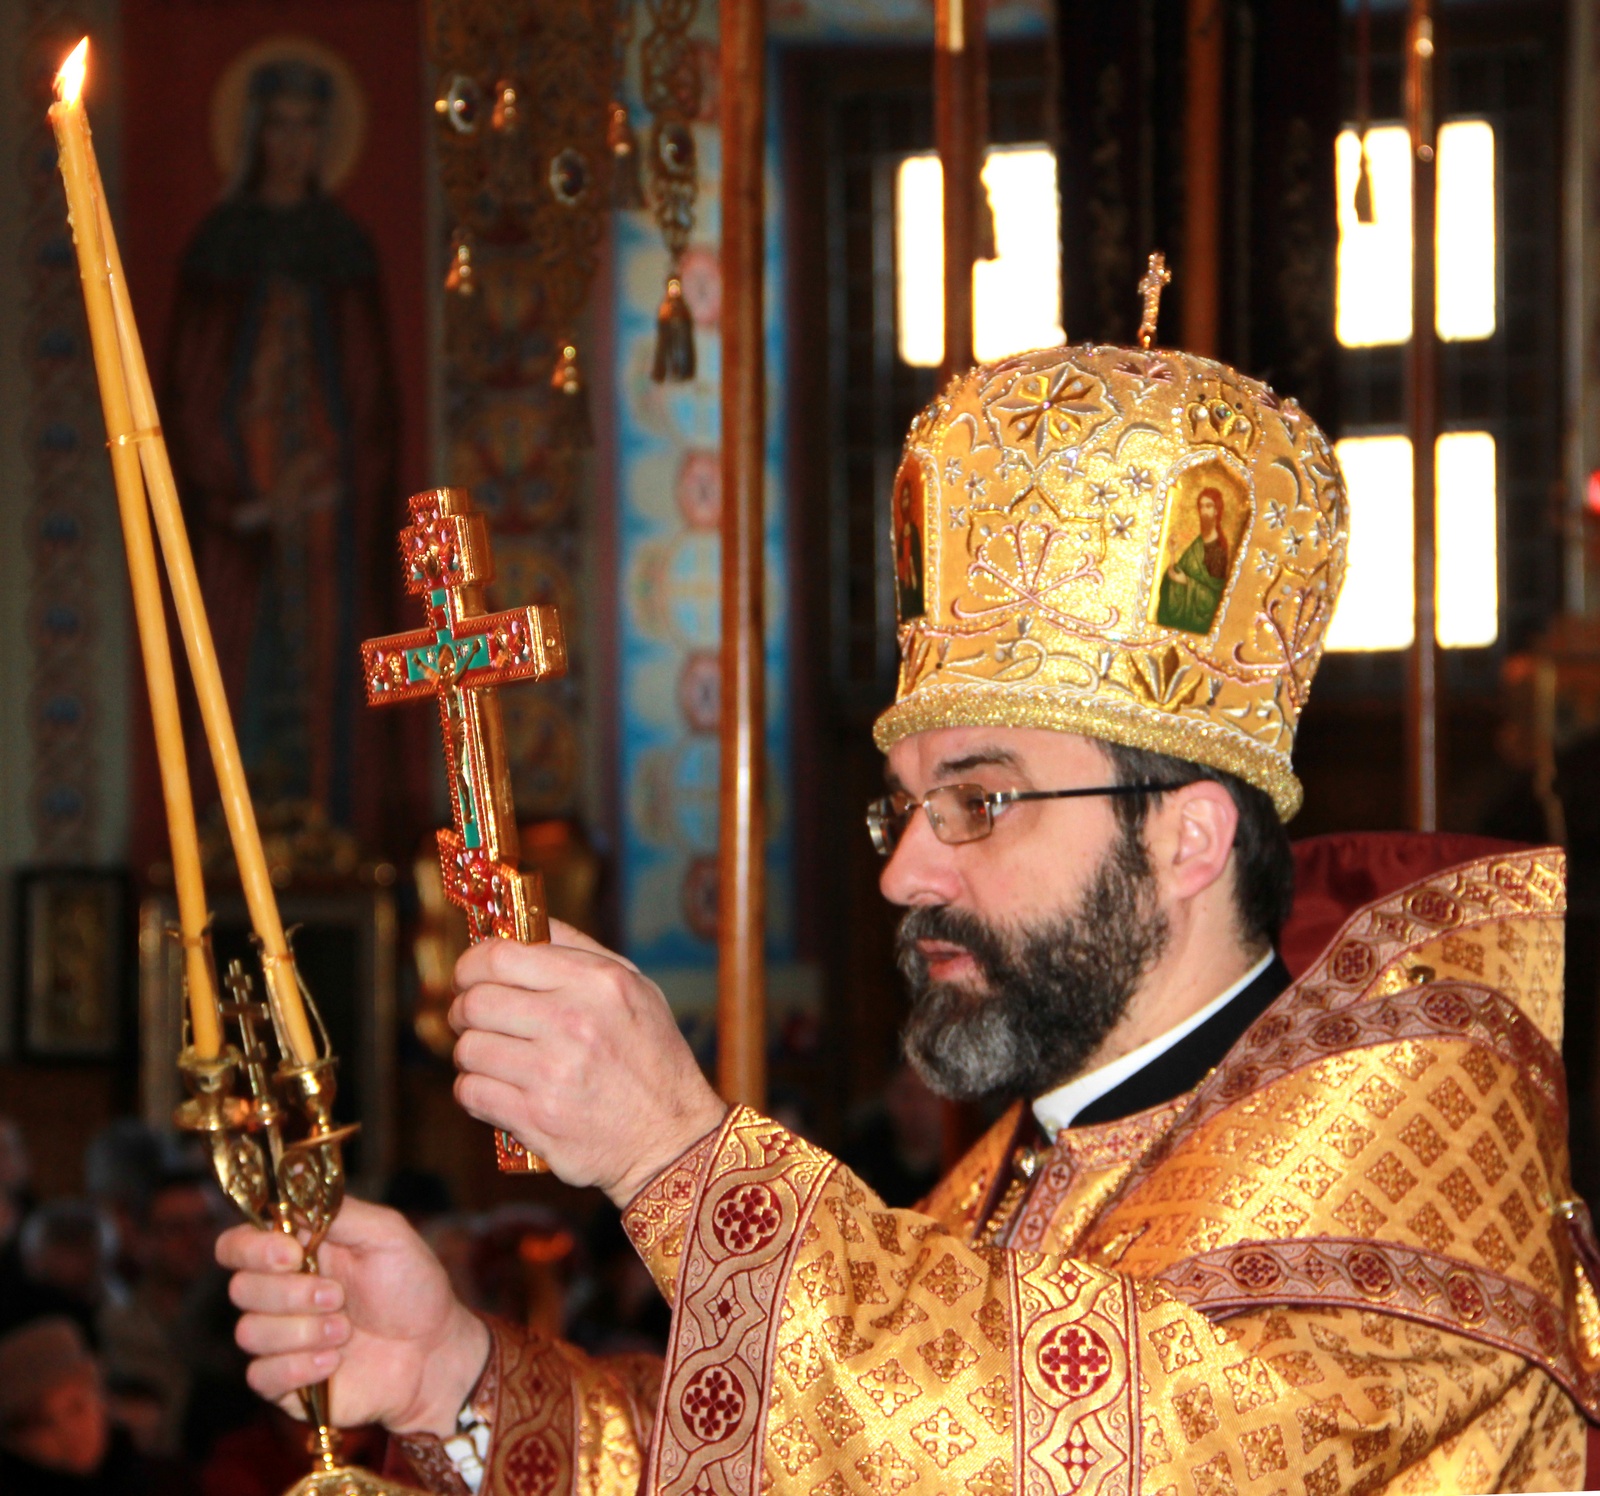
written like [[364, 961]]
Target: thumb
[[362, 1225], [567, 935]]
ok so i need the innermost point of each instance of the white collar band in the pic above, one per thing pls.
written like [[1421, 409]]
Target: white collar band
[[1060, 1108]]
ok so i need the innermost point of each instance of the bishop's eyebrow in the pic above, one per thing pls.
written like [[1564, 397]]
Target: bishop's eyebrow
[[979, 758], [945, 770]]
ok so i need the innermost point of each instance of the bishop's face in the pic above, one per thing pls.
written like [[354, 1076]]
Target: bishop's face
[[1024, 948], [1040, 855]]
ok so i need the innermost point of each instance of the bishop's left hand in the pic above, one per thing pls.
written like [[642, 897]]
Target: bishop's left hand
[[575, 1053]]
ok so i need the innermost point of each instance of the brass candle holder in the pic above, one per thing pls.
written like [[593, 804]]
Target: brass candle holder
[[279, 1156]]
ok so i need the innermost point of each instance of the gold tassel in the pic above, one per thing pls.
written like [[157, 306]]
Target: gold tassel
[[674, 361], [627, 191], [567, 379], [570, 418], [506, 116], [458, 280]]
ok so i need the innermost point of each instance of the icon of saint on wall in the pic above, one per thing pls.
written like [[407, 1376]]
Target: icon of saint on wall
[[281, 409]]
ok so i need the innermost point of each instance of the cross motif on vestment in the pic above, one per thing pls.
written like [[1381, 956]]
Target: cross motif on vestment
[[461, 659]]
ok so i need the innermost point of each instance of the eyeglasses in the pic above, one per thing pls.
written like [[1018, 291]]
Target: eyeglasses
[[965, 812]]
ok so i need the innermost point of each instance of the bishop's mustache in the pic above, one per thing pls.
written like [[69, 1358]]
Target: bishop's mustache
[[949, 926]]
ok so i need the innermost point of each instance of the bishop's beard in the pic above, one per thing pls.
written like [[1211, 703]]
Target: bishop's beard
[[1045, 995]]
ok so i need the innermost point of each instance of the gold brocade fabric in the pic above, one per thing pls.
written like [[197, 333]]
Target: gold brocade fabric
[[1339, 1265]]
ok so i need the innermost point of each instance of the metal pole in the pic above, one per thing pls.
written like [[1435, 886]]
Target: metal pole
[[1579, 300], [1202, 178], [741, 927], [1422, 685], [959, 122], [958, 37]]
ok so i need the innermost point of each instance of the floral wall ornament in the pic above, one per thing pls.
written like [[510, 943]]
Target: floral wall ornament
[[523, 99], [524, 105], [627, 188]]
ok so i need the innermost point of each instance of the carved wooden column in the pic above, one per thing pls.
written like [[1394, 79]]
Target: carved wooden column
[[741, 929], [1423, 690]]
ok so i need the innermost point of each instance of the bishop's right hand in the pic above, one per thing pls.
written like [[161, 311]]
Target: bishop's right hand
[[378, 1317]]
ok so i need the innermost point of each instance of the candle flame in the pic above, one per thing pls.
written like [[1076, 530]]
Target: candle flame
[[69, 81]]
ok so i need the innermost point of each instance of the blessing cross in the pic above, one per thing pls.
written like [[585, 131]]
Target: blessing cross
[[1156, 279], [461, 659]]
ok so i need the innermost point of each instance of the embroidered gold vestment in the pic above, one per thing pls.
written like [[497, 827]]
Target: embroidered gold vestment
[[1346, 1262]]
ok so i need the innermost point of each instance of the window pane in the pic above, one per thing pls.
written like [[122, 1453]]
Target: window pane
[[1376, 609], [1374, 271], [1467, 541], [1016, 297], [1466, 230], [1373, 303], [919, 260]]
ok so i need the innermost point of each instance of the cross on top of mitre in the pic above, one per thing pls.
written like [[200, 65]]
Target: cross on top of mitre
[[1155, 280]]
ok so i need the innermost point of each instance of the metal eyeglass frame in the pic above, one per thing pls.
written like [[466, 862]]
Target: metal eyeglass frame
[[882, 816]]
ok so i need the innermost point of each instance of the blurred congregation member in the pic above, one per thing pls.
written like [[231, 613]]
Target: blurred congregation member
[[121, 1166], [15, 1174], [896, 1144], [171, 1333], [68, 1250], [420, 1195], [56, 1432]]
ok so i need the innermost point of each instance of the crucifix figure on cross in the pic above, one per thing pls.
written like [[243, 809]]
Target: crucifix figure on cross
[[461, 659]]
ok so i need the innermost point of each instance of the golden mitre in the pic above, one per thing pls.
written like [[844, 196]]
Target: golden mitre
[[1138, 545]]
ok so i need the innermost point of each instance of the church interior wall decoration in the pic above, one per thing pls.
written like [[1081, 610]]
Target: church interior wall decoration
[[74, 929], [523, 117], [281, 406], [669, 503], [330, 400], [73, 712]]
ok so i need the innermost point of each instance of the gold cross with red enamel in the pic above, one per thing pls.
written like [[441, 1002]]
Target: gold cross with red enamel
[[461, 659]]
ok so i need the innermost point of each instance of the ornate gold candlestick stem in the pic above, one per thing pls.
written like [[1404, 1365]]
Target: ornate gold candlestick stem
[[279, 1156]]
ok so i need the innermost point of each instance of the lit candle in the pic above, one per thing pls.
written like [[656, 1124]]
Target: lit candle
[[136, 439], [72, 138]]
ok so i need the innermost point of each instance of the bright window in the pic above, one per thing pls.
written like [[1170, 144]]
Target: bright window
[[1466, 230], [1467, 541], [1017, 296], [1374, 289], [1376, 609], [1374, 273]]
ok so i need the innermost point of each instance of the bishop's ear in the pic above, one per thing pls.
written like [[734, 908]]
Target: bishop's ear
[[1192, 837]]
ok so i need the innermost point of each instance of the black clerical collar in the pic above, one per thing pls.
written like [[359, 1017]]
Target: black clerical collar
[[1182, 1066]]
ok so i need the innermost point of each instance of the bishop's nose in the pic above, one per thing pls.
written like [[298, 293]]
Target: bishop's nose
[[922, 869]]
